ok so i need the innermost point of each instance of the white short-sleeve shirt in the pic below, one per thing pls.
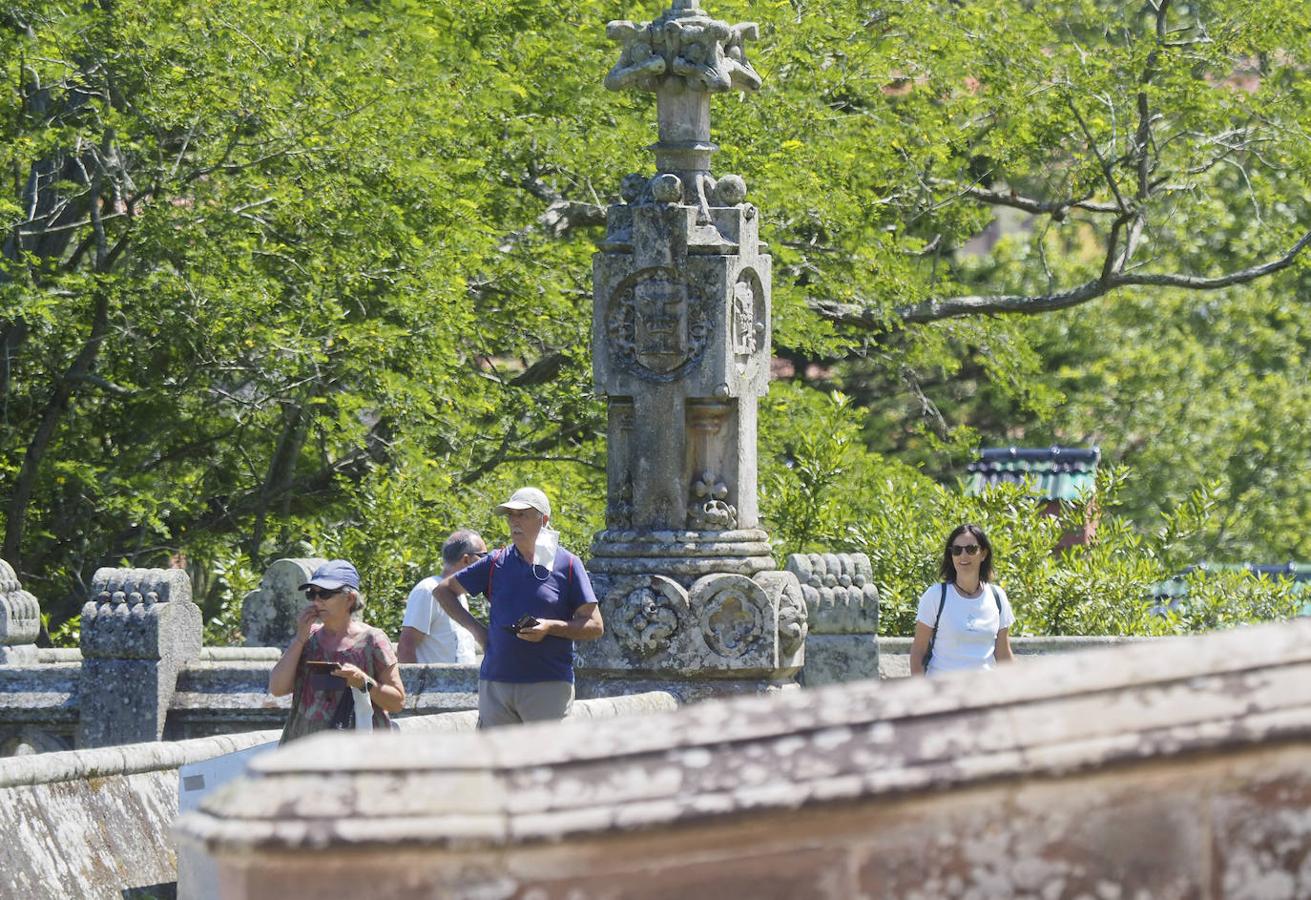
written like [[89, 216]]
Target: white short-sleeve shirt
[[443, 641], [967, 631]]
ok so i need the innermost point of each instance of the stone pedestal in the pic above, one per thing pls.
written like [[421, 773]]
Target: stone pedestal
[[138, 630], [692, 600], [20, 620], [842, 611], [268, 614]]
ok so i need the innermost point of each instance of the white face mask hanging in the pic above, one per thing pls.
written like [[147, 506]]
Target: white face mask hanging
[[548, 542]]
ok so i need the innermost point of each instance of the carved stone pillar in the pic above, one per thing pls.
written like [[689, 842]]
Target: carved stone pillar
[[681, 347], [138, 630], [20, 620]]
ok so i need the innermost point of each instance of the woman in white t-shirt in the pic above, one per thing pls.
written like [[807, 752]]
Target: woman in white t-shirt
[[965, 619]]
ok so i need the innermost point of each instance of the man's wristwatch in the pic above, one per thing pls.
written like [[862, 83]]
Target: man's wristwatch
[[369, 684]]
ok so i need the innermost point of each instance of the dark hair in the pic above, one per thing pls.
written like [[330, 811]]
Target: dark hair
[[459, 544], [948, 572]]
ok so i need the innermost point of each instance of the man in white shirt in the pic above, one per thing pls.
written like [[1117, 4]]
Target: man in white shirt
[[427, 634]]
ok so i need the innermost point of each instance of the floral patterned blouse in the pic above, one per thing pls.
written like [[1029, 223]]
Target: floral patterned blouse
[[312, 708]]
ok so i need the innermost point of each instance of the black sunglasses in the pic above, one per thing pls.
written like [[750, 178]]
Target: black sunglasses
[[967, 549], [316, 593]]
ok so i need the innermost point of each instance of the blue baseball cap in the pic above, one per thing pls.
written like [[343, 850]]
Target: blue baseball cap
[[334, 574]]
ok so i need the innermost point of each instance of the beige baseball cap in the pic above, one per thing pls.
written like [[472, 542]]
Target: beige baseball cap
[[526, 498]]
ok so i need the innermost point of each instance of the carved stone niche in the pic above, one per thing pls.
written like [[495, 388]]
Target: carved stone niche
[[20, 620], [647, 616], [725, 625]]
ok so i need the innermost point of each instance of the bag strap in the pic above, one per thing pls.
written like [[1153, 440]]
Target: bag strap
[[942, 601], [496, 558]]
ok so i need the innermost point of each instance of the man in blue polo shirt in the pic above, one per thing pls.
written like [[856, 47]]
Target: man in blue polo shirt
[[541, 601]]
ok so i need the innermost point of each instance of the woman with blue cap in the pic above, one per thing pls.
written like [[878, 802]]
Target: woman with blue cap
[[336, 668]]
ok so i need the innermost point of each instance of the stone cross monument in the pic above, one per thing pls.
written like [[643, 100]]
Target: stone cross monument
[[681, 347]]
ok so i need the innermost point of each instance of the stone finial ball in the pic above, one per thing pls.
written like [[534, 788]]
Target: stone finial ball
[[730, 190], [630, 188], [667, 188]]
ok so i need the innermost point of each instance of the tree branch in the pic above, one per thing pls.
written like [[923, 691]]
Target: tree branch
[[861, 316], [1055, 208]]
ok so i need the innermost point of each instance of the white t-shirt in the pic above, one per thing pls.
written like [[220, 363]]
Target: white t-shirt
[[443, 641], [967, 632]]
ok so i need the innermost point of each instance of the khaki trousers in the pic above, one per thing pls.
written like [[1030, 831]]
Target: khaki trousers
[[509, 703]]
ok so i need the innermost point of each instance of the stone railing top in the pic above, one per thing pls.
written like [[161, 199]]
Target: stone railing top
[[851, 741], [47, 655], [128, 759]]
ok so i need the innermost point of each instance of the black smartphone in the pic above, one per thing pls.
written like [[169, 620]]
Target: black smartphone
[[324, 682], [524, 622]]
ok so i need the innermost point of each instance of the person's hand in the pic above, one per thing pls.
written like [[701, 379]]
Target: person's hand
[[536, 633], [353, 674], [305, 620]]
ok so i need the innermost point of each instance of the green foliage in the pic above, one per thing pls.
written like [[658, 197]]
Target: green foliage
[[828, 492], [287, 276], [67, 634]]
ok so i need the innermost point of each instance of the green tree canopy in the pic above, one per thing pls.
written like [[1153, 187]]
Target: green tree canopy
[[277, 271]]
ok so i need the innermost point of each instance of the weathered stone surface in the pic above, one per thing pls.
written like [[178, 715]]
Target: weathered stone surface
[[1122, 770], [98, 823], [835, 658], [95, 823], [20, 620], [839, 590], [138, 630], [268, 613], [38, 708], [842, 610]]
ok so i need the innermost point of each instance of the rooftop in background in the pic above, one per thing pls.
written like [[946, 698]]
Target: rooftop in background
[[1053, 473]]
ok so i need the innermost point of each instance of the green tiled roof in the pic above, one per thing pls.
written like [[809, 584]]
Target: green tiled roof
[[1052, 473]]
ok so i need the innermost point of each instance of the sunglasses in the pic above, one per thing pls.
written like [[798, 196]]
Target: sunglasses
[[316, 593], [967, 549], [478, 554]]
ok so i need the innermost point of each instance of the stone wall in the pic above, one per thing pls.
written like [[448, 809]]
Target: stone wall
[[1172, 770], [94, 823], [97, 823]]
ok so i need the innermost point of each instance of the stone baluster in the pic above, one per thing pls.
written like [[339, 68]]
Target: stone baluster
[[20, 620], [842, 610], [138, 629]]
